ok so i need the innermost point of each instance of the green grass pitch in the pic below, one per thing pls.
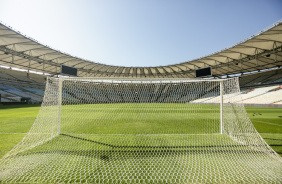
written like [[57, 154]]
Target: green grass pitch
[[16, 120]]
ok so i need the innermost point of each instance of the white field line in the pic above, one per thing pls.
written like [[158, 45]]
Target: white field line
[[267, 123], [11, 133], [117, 134], [147, 134], [22, 133]]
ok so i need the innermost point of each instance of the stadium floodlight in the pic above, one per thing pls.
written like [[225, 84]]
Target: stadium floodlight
[[126, 130]]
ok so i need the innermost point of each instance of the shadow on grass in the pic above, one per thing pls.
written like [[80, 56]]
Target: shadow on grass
[[107, 155], [18, 106], [104, 151], [167, 147]]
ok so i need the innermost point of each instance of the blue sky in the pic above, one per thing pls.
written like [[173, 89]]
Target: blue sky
[[140, 32]]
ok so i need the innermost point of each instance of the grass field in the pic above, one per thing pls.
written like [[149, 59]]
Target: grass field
[[15, 121]]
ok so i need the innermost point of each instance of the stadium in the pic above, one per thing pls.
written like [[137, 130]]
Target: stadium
[[215, 119]]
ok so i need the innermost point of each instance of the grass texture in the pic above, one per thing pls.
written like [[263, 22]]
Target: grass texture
[[16, 120], [114, 157]]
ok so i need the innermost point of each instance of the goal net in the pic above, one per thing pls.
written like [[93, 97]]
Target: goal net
[[120, 130]]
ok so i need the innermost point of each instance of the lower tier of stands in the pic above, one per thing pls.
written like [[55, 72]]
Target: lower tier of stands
[[260, 95], [18, 86], [15, 91]]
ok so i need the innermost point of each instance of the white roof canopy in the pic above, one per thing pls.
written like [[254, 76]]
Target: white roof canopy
[[261, 51]]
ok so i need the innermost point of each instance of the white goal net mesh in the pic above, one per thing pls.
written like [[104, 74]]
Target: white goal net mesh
[[94, 130]]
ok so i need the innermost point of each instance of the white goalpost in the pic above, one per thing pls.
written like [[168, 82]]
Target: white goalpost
[[221, 107], [59, 104], [141, 130]]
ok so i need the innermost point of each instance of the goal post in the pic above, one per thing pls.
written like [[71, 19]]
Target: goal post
[[141, 130], [60, 86], [221, 107]]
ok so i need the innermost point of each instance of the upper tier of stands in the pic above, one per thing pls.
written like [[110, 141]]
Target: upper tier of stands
[[259, 79]]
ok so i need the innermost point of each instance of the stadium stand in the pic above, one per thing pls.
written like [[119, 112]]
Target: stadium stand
[[17, 86], [262, 87], [260, 95], [256, 88], [269, 97], [264, 78]]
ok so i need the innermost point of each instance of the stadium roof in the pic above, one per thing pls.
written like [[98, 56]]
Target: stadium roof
[[261, 51]]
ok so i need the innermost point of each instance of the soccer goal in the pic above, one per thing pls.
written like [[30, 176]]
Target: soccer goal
[[121, 130]]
